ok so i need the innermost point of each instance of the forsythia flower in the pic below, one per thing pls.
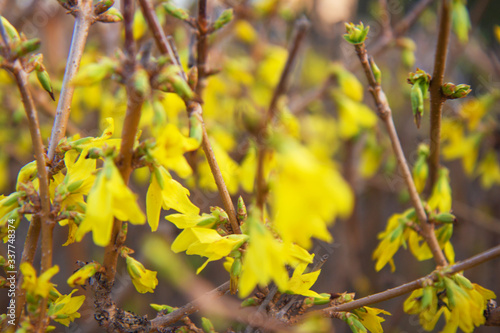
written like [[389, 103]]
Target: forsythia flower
[[170, 148], [207, 243], [489, 170], [83, 274], [37, 285], [306, 190], [64, 309], [144, 280], [167, 193], [108, 198], [353, 116], [301, 283], [370, 319], [104, 139], [441, 193]]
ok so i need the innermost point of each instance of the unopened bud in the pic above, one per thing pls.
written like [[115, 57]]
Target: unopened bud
[[356, 34], [242, 210], [223, 19], [26, 47], [175, 11], [103, 6]]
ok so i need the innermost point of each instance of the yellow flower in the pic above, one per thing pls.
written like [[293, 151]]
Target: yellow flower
[[167, 193], [301, 283], [170, 148], [489, 170], [207, 243], [108, 198], [441, 193], [370, 318], [457, 145], [83, 274], [264, 260], [354, 116], [349, 84], [64, 309], [99, 142], [144, 280], [392, 238], [34, 285], [305, 189]]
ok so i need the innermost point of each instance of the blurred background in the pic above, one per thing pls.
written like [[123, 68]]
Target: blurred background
[[249, 53]]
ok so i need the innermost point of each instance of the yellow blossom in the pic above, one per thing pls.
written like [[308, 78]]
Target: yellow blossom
[[34, 285], [170, 148], [301, 283], [83, 274], [441, 193], [64, 309], [143, 279], [354, 116], [108, 198], [305, 189], [166, 192], [392, 239], [370, 318], [489, 170]]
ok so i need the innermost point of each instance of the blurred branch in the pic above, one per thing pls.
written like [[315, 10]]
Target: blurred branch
[[83, 21], [476, 216], [201, 46], [416, 284], [385, 113], [301, 27], [436, 96]]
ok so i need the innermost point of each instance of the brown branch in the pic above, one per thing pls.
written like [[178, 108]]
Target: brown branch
[[83, 21], [436, 96], [416, 284], [201, 46], [193, 108], [301, 27], [130, 125], [45, 222], [385, 113]]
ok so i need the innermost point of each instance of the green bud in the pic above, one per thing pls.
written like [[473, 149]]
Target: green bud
[[417, 103], [427, 295], [196, 127], [219, 213], [450, 291], [94, 72], [252, 301], [452, 91], [445, 218], [10, 30], [242, 210], [112, 15], [207, 221], [225, 17], [28, 46], [324, 299], [166, 308], [44, 79], [12, 199], [207, 325], [462, 280], [408, 58], [376, 71], [175, 11], [181, 87], [356, 34], [75, 185], [102, 6]]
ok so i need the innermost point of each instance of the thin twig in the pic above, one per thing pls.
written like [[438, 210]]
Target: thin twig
[[385, 113], [410, 286], [201, 46], [301, 27], [83, 22], [193, 108], [47, 225], [436, 95]]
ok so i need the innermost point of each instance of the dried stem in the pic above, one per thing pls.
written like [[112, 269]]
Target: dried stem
[[410, 286], [130, 126], [193, 109], [301, 27], [437, 98], [385, 113], [83, 22]]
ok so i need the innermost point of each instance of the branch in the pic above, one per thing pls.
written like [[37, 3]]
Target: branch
[[416, 284], [43, 221], [83, 22], [437, 98], [193, 108], [301, 27], [189, 308], [130, 126], [201, 46], [385, 113]]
